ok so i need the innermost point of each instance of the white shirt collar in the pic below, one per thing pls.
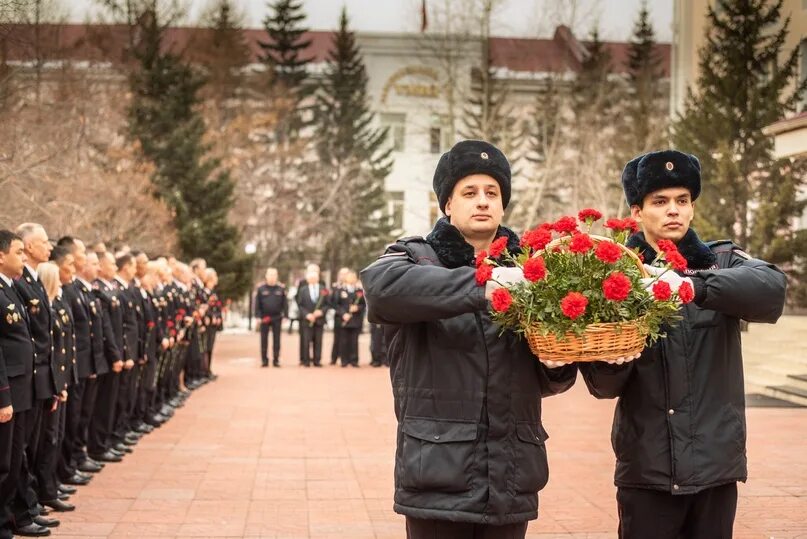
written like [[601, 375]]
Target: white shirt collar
[[123, 283], [85, 283], [33, 272], [6, 280]]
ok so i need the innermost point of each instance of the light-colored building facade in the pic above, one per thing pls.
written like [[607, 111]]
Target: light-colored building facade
[[408, 87]]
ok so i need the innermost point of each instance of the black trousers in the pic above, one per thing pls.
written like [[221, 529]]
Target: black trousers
[[47, 453], [88, 400], [212, 342], [336, 349], [13, 436], [311, 337], [99, 434], [709, 514], [72, 420], [126, 391], [24, 504], [378, 349], [275, 326], [350, 346], [417, 528]]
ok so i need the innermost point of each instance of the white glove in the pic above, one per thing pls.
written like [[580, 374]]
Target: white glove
[[661, 274], [619, 361], [503, 277], [508, 276]]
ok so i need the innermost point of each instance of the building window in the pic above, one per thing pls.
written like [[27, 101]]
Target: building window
[[803, 70], [395, 206], [435, 139], [396, 124]]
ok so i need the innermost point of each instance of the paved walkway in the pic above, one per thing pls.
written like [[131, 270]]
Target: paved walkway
[[307, 453]]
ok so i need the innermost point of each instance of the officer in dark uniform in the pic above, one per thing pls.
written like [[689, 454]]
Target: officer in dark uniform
[[99, 438], [129, 303], [349, 309], [30, 289], [271, 306], [215, 314], [94, 344], [73, 455], [47, 453], [336, 292], [16, 377]]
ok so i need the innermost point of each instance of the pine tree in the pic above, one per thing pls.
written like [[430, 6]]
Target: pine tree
[[645, 111], [164, 119], [594, 101], [223, 52], [284, 55], [748, 195], [354, 155]]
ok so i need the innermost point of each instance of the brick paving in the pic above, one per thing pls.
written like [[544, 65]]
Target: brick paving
[[307, 453]]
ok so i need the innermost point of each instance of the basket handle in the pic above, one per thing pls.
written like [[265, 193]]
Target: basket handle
[[597, 239]]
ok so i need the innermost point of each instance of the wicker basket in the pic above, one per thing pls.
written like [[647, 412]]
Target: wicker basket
[[599, 341]]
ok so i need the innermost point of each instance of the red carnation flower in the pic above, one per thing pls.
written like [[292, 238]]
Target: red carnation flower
[[266, 319], [685, 292], [498, 246], [150, 324], [573, 305], [616, 286], [608, 252], [359, 293], [182, 312], [619, 225], [666, 246], [662, 291], [173, 333], [170, 323], [483, 274], [537, 238], [501, 300], [325, 292], [480, 258], [677, 260], [534, 269], [589, 213], [580, 243], [565, 225], [630, 224]]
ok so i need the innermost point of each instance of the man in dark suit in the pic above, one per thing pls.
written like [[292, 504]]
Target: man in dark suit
[[16, 378], [312, 299]]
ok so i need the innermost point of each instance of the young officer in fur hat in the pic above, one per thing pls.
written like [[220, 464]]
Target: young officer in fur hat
[[470, 457], [679, 425]]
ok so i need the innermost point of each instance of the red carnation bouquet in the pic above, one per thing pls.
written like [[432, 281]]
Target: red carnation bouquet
[[583, 298]]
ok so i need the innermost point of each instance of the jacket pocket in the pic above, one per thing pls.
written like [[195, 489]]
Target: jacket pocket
[[532, 470], [437, 455]]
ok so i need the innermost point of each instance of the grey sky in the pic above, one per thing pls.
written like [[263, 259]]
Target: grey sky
[[524, 18]]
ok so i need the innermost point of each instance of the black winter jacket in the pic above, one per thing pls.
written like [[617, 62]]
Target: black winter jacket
[[679, 425], [470, 443]]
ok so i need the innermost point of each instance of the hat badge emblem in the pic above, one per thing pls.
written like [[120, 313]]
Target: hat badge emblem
[[669, 165], [483, 155]]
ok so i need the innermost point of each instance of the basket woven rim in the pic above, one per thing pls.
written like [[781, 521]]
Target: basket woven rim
[[598, 239]]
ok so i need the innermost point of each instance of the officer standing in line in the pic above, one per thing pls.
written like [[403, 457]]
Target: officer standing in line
[[271, 306], [336, 289]]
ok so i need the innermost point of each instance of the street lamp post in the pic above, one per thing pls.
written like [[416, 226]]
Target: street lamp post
[[250, 249]]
